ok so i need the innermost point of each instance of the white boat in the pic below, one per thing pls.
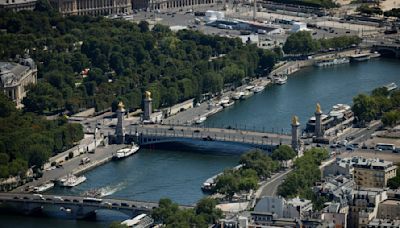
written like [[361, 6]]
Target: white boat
[[391, 86], [246, 94], [125, 152], [228, 104], [250, 87], [281, 80], [71, 180], [201, 119], [360, 57], [258, 89], [43, 188], [237, 95], [224, 100], [331, 62]]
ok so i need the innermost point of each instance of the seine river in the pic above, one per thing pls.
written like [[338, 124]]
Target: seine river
[[154, 174]]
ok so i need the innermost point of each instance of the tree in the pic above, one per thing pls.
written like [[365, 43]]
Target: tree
[[144, 26], [227, 184], [260, 162], [364, 108], [171, 216], [42, 97], [43, 6], [365, 9], [283, 153], [206, 207], [300, 43], [306, 173], [391, 118], [166, 208], [4, 158], [394, 183], [6, 107]]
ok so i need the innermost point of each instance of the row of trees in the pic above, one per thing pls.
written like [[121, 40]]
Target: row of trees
[[379, 104], [28, 140], [302, 43], [394, 183], [395, 12], [375, 10], [306, 172], [366, 9], [256, 166], [169, 214], [124, 59]]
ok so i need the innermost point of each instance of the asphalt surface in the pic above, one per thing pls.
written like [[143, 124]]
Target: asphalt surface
[[271, 188]]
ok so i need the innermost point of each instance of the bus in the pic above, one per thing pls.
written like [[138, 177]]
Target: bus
[[385, 146], [91, 200]]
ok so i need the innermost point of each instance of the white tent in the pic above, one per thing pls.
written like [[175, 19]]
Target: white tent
[[299, 26]]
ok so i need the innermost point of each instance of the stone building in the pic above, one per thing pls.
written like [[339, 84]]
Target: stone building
[[373, 173], [92, 7], [172, 4], [17, 5], [363, 207], [389, 209], [15, 77]]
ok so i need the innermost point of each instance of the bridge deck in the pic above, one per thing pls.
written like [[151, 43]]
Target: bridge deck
[[105, 203], [217, 134]]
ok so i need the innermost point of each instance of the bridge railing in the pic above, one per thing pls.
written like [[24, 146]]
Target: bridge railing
[[230, 125]]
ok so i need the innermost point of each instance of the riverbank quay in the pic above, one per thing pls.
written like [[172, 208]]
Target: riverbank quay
[[291, 67], [211, 106], [101, 156]]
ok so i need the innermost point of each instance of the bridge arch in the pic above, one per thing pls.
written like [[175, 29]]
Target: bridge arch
[[387, 52]]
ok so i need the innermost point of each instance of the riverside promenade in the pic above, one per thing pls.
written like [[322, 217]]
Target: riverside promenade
[[101, 156]]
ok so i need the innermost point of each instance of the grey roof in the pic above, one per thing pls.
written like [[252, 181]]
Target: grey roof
[[12, 73]]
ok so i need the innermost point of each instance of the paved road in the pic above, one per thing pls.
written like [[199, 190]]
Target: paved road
[[101, 155], [271, 188]]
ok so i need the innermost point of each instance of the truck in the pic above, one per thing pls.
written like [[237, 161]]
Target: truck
[[261, 31], [85, 160]]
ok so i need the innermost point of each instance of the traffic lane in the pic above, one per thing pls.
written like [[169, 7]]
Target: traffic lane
[[271, 188], [214, 133]]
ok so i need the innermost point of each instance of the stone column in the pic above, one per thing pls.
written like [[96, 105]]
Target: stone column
[[119, 129], [295, 133], [318, 132], [147, 103]]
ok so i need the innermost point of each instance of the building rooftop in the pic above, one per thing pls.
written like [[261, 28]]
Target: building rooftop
[[366, 163], [385, 223], [298, 202], [391, 202], [11, 73]]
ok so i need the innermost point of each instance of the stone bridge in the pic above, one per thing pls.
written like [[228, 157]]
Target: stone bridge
[[148, 135], [73, 207], [387, 49]]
